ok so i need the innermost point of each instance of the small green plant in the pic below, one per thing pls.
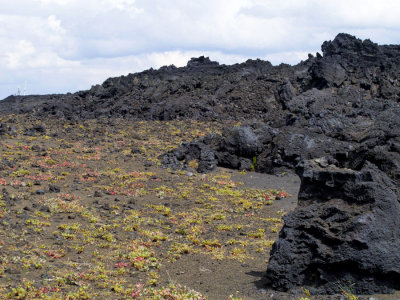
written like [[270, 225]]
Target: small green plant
[[257, 234], [307, 294], [253, 163], [348, 293], [235, 297]]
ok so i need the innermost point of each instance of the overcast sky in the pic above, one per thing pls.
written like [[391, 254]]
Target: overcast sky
[[58, 46]]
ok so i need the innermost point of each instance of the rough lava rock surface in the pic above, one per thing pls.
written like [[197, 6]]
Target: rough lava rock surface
[[334, 118], [343, 233]]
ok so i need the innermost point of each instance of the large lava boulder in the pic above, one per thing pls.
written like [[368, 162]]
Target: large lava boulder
[[344, 233], [235, 149], [187, 152]]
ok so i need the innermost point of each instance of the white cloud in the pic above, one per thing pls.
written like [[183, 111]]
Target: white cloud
[[124, 5], [55, 24], [21, 51], [59, 2], [67, 45]]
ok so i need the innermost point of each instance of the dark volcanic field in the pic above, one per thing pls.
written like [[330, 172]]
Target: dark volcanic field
[[146, 187]]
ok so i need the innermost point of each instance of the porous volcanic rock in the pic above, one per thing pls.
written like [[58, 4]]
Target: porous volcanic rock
[[350, 69], [344, 233], [6, 129], [341, 132], [187, 152], [259, 147]]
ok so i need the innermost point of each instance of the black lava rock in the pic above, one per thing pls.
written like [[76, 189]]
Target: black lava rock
[[54, 188], [40, 192], [343, 233]]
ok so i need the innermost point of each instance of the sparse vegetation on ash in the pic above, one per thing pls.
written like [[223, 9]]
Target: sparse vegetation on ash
[[87, 212]]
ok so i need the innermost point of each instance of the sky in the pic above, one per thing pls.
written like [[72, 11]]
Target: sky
[[59, 46]]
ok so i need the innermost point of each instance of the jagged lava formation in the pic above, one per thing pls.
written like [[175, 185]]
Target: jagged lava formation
[[334, 118]]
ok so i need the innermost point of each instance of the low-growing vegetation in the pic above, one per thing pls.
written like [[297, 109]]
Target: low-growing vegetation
[[87, 212]]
